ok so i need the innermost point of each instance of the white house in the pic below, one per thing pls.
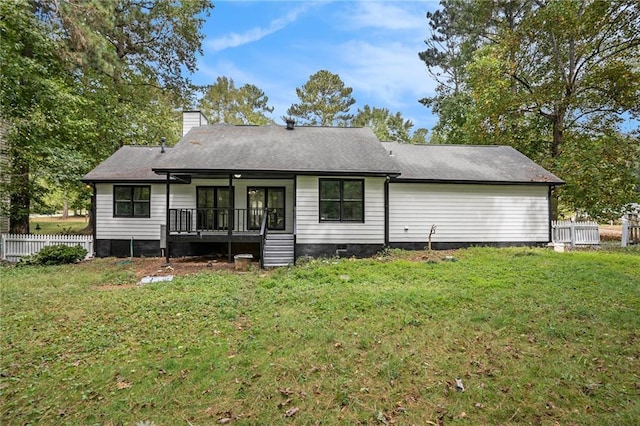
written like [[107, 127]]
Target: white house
[[282, 192]]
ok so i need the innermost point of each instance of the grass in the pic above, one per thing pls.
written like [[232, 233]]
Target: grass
[[535, 336], [53, 225]]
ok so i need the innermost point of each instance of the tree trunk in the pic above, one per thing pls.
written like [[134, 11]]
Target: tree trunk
[[91, 220], [558, 132], [556, 143], [65, 209], [20, 196]]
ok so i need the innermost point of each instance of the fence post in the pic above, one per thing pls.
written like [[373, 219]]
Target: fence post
[[572, 234], [625, 232]]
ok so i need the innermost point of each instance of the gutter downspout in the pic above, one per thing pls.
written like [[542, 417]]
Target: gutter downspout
[[168, 221]]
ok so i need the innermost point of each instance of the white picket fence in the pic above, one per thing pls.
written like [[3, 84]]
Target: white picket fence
[[630, 232], [575, 233], [15, 246]]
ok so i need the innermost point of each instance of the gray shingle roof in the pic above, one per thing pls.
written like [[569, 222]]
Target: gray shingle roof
[[271, 148], [467, 163], [319, 150], [129, 163]]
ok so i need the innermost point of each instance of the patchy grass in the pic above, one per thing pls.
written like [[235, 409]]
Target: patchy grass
[[535, 336], [45, 225]]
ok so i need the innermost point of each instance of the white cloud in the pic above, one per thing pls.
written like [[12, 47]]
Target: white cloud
[[388, 16], [257, 33], [389, 72], [209, 72], [373, 47], [381, 58]]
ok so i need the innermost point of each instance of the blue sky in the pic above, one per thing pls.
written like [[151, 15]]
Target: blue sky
[[276, 45]]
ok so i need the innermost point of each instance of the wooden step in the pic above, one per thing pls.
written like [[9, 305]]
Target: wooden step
[[278, 250]]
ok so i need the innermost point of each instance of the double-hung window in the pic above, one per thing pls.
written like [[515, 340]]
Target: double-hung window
[[131, 201], [341, 200]]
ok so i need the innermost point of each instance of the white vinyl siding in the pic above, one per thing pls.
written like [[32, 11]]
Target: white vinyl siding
[[468, 213], [180, 197], [310, 230], [117, 228]]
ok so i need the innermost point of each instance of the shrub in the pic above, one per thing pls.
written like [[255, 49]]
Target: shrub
[[56, 255]]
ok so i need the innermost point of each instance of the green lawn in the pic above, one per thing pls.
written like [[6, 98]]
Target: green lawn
[[54, 225], [536, 337]]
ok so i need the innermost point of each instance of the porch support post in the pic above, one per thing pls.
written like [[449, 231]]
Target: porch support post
[[386, 212], [167, 220], [231, 222]]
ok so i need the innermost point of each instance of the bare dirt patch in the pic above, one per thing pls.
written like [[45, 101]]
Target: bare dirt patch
[[420, 255], [136, 269], [157, 266]]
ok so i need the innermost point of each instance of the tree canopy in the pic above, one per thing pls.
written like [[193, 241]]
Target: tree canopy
[[387, 126], [222, 102], [324, 101], [81, 78], [555, 79]]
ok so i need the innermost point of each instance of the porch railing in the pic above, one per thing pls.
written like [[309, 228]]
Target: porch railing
[[263, 236], [223, 220]]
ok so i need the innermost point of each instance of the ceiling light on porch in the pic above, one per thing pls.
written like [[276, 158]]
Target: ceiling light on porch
[[237, 176]]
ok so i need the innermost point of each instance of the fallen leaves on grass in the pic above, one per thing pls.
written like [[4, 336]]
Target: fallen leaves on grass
[[121, 383], [291, 412]]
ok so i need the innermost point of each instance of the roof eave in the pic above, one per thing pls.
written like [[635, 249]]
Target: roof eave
[[126, 180], [384, 173], [477, 182]]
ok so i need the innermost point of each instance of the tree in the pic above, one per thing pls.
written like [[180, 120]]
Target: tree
[[38, 103], [324, 101], [224, 103], [387, 126], [157, 39], [83, 78], [551, 78]]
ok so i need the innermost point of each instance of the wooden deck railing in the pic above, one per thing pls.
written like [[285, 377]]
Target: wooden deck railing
[[263, 236], [222, 219]]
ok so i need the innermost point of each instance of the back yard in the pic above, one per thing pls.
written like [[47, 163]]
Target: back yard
[[534, 337]]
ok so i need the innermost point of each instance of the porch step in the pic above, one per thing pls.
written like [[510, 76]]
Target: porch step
[[278, 250]]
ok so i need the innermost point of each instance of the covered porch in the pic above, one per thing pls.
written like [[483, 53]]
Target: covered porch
[[240, 211]]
